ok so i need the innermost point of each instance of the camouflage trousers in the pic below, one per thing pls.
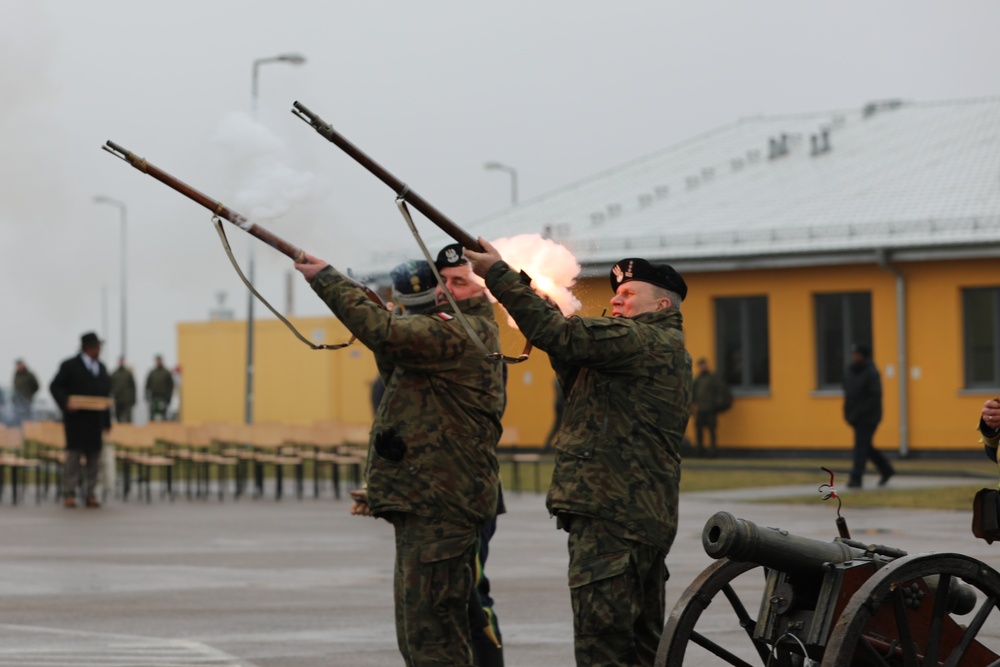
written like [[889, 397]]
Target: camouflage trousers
[[433, 582], [617, 586]]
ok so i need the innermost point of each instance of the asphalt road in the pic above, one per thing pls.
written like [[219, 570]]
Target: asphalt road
[[300, 583]]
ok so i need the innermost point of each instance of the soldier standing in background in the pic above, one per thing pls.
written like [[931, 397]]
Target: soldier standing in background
[[25, 388], [711, 395], [432, 469], [159, 390], [123, 392], [627, 379]]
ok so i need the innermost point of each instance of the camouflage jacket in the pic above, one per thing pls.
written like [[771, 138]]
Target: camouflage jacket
[[159, 384], [628, 395], [123, 386], [432, 450], [709, 392], [25, 384]]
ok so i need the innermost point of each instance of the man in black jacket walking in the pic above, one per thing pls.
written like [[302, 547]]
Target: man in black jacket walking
[[82, 389], [863, 411]]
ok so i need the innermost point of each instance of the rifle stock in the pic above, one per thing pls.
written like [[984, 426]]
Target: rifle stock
[[401, 189]]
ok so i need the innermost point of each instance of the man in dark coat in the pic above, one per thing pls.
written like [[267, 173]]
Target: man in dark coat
[[82, 390], [863, 411]]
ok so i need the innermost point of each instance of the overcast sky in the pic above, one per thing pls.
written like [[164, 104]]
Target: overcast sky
[[432, 90]]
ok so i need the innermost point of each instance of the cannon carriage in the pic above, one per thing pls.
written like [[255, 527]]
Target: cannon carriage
[[830, 604]]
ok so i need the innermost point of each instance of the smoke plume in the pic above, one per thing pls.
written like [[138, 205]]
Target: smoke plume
[[552, 267]]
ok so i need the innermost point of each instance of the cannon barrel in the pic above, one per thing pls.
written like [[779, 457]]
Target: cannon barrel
[[726, 536]]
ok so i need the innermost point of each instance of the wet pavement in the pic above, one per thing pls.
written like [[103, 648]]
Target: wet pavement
[[300, 583]]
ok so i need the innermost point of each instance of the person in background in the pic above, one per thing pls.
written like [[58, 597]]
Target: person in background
[[123, 392], [159, 390], [85, 422], [863, 411], [558, 406], [25, 387], [615, 486], [432, 469], [711, 395]]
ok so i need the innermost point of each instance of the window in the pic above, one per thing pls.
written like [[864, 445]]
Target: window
[[742, 340], [981, 317], [841, 319]]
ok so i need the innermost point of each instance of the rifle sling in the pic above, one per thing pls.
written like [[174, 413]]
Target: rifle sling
[[229, 253], [495, 356]]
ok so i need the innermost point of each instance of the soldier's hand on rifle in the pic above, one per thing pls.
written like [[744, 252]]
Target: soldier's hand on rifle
[[310, 267], [991, 413], [482, 261]]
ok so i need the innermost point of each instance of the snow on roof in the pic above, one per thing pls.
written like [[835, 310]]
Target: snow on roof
[[892, 175]]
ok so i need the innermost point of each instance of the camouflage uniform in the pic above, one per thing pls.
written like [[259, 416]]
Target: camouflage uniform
[[432, 468], [25, 388], [123, 392], [709, 391], [159, 392], [615, 484]]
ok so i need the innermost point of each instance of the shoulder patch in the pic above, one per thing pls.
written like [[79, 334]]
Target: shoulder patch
[[445, 316]]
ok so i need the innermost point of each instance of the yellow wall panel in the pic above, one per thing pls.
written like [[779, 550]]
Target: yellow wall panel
[[297, 385]]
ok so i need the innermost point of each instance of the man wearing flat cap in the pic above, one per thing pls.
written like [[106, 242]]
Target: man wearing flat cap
[[627, 382], [82, 390], [432, 469]]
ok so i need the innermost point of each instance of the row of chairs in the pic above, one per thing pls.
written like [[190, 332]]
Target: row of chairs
[[237, 458]]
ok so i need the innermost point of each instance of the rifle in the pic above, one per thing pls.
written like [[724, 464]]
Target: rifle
[[405, 195], [403, 191], [221, 211]]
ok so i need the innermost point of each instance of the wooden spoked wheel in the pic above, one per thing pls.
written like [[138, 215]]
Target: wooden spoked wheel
[[894, 620], [725, 637]]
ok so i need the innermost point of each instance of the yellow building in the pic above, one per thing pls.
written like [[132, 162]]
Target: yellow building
[[797, 235]]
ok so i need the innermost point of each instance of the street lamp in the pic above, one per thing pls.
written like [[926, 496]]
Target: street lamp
[[101, 199], [291, 59], [496, 166]]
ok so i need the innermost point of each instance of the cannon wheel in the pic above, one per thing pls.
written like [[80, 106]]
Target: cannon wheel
[[680, 632], [850, 640]]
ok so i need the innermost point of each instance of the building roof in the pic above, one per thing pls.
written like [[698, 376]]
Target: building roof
[[830, 186]]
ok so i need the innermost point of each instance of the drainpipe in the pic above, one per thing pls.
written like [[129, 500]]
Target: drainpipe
[[882, 257]]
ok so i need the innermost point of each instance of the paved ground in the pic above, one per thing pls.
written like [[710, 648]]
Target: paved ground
[[301, 583]]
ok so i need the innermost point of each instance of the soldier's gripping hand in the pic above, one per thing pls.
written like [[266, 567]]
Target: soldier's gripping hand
[[310, 267], [991, 413], [360, 506], [482, 261]]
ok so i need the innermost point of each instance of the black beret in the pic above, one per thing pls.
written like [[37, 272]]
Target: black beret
[[661, 275], [863, 349], [413, 284], [450, 255]]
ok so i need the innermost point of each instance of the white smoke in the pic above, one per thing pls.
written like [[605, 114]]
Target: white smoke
[[269, 188], [552, 267]]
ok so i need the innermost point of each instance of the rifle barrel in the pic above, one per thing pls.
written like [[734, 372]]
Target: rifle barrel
[[217, 208], [401, 189]]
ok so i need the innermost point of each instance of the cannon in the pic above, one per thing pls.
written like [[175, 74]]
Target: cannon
[[831, 604]]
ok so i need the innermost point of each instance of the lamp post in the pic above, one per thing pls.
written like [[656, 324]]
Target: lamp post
[[291, 59], [101, 199], [497, 166]]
